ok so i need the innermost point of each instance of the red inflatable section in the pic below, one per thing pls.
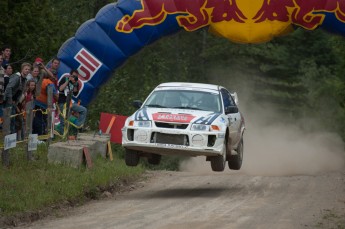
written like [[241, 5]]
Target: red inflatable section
[[112, 124]]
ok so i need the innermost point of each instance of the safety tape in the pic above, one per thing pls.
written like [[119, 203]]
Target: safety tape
[[24, 113]]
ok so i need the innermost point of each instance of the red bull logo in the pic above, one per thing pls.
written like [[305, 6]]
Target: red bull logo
[[305, 13], [193, 15], [226, 15]]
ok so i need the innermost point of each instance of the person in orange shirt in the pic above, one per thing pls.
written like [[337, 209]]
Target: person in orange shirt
[[41, 105]]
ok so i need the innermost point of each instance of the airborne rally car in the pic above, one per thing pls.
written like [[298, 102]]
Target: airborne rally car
[[189, 119]]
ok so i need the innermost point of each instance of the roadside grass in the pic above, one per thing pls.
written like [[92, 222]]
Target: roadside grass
[[27, 186]]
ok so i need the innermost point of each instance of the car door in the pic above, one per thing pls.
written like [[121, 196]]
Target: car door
[[233, 114]]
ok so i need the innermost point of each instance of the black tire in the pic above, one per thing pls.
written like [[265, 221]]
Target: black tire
[[235, 161], [131, 157], [218, 162], [154, 159]]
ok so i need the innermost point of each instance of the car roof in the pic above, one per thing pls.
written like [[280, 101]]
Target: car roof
[[184, 85]]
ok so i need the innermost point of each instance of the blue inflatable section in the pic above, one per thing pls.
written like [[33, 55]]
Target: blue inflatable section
[[98, 49]]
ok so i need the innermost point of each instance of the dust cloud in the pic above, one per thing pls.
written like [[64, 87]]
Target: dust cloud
[[273, 146], [277, 149]]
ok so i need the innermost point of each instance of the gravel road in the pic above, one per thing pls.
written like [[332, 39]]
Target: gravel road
[[216, 200], [290, 179]]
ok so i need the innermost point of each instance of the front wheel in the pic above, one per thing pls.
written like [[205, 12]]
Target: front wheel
[[131, 157], [218, 162], [235, 161]]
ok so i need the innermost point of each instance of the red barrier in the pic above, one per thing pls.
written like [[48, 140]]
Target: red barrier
[[112, 124]]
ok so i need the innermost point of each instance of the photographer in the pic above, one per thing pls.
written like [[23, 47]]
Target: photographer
[[69, 86]]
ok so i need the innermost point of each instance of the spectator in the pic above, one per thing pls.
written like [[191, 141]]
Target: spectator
[[15, 89], [2, 87], [30, 94], [8, 73], [16, 84], [2, 80], [27, 96], [19, 118], [42, 71], [34, 75], [6, 54], [53, 70], [68, 86], [41, 105]]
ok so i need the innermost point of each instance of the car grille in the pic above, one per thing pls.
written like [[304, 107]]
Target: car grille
[[171, 125], [176, 139]]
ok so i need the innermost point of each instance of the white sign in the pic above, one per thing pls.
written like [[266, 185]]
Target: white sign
[[10, 141], [33, 140]]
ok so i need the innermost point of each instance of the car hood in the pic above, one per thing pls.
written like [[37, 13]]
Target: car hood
[[172, 115]]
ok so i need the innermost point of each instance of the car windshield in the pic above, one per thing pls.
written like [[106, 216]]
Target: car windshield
[[184, 99]]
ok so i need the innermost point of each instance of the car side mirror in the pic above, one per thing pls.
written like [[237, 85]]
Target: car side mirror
[[137, 103], [231, 110]]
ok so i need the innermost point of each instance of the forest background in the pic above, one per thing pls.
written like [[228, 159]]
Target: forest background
[[301, 76]]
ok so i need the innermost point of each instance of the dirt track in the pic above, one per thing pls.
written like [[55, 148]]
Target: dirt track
[[290, 179], [216, 200]]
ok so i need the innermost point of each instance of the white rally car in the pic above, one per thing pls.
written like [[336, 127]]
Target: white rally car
[[189, 119]]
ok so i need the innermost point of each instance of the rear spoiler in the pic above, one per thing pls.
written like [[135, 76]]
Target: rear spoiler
[[235, 97]]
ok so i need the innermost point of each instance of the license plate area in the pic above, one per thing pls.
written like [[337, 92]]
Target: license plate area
[[175, 139]]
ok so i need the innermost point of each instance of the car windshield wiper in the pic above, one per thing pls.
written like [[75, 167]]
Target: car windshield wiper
[[154, 105], [190, 108]]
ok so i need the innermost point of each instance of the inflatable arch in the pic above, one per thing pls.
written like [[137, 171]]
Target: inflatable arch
[[121, 29]]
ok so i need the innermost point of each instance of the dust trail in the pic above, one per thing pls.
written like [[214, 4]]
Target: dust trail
[[275, 149], [283, 149], [272, 146]]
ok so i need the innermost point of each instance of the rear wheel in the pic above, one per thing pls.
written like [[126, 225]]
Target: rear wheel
[[235, 161], [218, 162], [154, 159], [131, 157]]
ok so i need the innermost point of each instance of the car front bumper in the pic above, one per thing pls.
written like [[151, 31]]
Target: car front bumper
[[173, 141]]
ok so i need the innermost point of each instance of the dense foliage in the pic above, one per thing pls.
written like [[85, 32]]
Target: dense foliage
[[302, 74]]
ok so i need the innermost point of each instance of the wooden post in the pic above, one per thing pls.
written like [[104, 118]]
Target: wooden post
[[28, 126], [87, 157], [109, 151], [49, 110], [6, 129]]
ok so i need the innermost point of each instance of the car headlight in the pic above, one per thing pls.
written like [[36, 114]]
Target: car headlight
[[143, 124], [200, 127]]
